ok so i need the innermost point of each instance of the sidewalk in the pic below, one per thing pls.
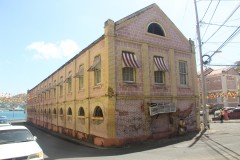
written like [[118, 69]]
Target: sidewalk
[[227, 121], [192, 137], [147, 144], [65, 137], [220, 142]]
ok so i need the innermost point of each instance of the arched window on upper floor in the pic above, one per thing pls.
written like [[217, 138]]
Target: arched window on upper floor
[[155, 28]]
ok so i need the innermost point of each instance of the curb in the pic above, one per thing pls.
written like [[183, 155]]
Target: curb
[[226, 121], [148, 143], [73, 140]]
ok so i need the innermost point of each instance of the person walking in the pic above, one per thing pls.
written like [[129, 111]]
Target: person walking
[[221, 115]]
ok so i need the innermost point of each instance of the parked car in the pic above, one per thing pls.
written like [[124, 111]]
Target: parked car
[[217, 113], [4, 121], [17, 142], [234, 114]]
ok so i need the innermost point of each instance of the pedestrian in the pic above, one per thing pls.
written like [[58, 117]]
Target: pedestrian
[[221, 115]]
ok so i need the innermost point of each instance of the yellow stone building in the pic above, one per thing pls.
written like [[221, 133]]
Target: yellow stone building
[[137, 81]]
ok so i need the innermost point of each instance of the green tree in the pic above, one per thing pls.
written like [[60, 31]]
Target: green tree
[[238, 66]]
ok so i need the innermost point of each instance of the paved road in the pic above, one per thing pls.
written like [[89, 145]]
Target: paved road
[[221, 142]]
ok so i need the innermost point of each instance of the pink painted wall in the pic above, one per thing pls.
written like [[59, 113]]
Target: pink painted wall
[[130, 118], [137, 31]]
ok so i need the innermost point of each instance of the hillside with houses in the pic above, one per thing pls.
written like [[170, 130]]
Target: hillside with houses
[[16, 102]]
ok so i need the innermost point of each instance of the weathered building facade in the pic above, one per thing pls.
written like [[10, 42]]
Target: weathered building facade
[[137, 81], [222, 87]]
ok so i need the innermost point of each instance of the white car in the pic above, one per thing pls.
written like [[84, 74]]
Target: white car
[[17, 142]]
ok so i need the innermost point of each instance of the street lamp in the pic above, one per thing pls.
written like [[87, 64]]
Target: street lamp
[[209, 57]]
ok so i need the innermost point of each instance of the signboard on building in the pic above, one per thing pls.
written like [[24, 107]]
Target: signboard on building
[[158, 108]]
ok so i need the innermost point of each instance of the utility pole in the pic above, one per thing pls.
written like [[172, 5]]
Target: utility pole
[[205, 121]]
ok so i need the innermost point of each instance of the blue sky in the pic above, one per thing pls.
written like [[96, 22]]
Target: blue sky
[[38, 37]]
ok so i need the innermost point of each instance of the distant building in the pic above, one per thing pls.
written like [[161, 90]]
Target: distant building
[[135, 82], [222, 87]]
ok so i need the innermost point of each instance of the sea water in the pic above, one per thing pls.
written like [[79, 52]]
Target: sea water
[[14, 115]]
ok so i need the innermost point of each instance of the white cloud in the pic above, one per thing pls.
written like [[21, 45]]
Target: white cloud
[[68, 47], [43, 50]]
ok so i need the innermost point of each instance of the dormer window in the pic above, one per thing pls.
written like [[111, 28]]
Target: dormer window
[[155, 28]]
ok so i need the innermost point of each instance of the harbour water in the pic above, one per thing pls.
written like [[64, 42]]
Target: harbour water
[[14, 115]]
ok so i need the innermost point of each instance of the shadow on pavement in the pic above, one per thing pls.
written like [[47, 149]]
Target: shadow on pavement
[[73, 149], [197, 138], [220, 149]]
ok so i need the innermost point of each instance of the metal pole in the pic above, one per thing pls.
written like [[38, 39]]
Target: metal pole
[[205, 121]]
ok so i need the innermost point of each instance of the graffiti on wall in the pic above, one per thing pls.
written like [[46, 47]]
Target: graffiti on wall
[[186, 119], [130, 118]]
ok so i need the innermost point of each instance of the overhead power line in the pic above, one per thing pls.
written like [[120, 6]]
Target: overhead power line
[[218, 24], [211, 18], [223, 23], [236, 32], [222, 42], [217, 0], [233, 65], [206, 10]]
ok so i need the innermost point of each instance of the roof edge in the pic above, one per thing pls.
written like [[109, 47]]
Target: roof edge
[[136, 13], [74, 57]]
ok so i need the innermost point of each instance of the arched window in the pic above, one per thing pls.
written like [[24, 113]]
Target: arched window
[[81, 112], [61, 111], [155, 28], [98, 112], [49, 111], [69, 111], [54, 111]]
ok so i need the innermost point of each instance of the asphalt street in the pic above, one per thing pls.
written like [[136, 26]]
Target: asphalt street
[[221, 142]]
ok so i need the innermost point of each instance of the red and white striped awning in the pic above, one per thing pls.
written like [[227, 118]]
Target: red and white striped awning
[[129, 60], [160, 64]]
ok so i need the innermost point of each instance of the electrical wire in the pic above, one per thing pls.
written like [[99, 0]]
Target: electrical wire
[[206, 11], [211, 18], [217, 0], [223, 23], [236, 32], [219, 25], [222, 42], [185, 10]]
